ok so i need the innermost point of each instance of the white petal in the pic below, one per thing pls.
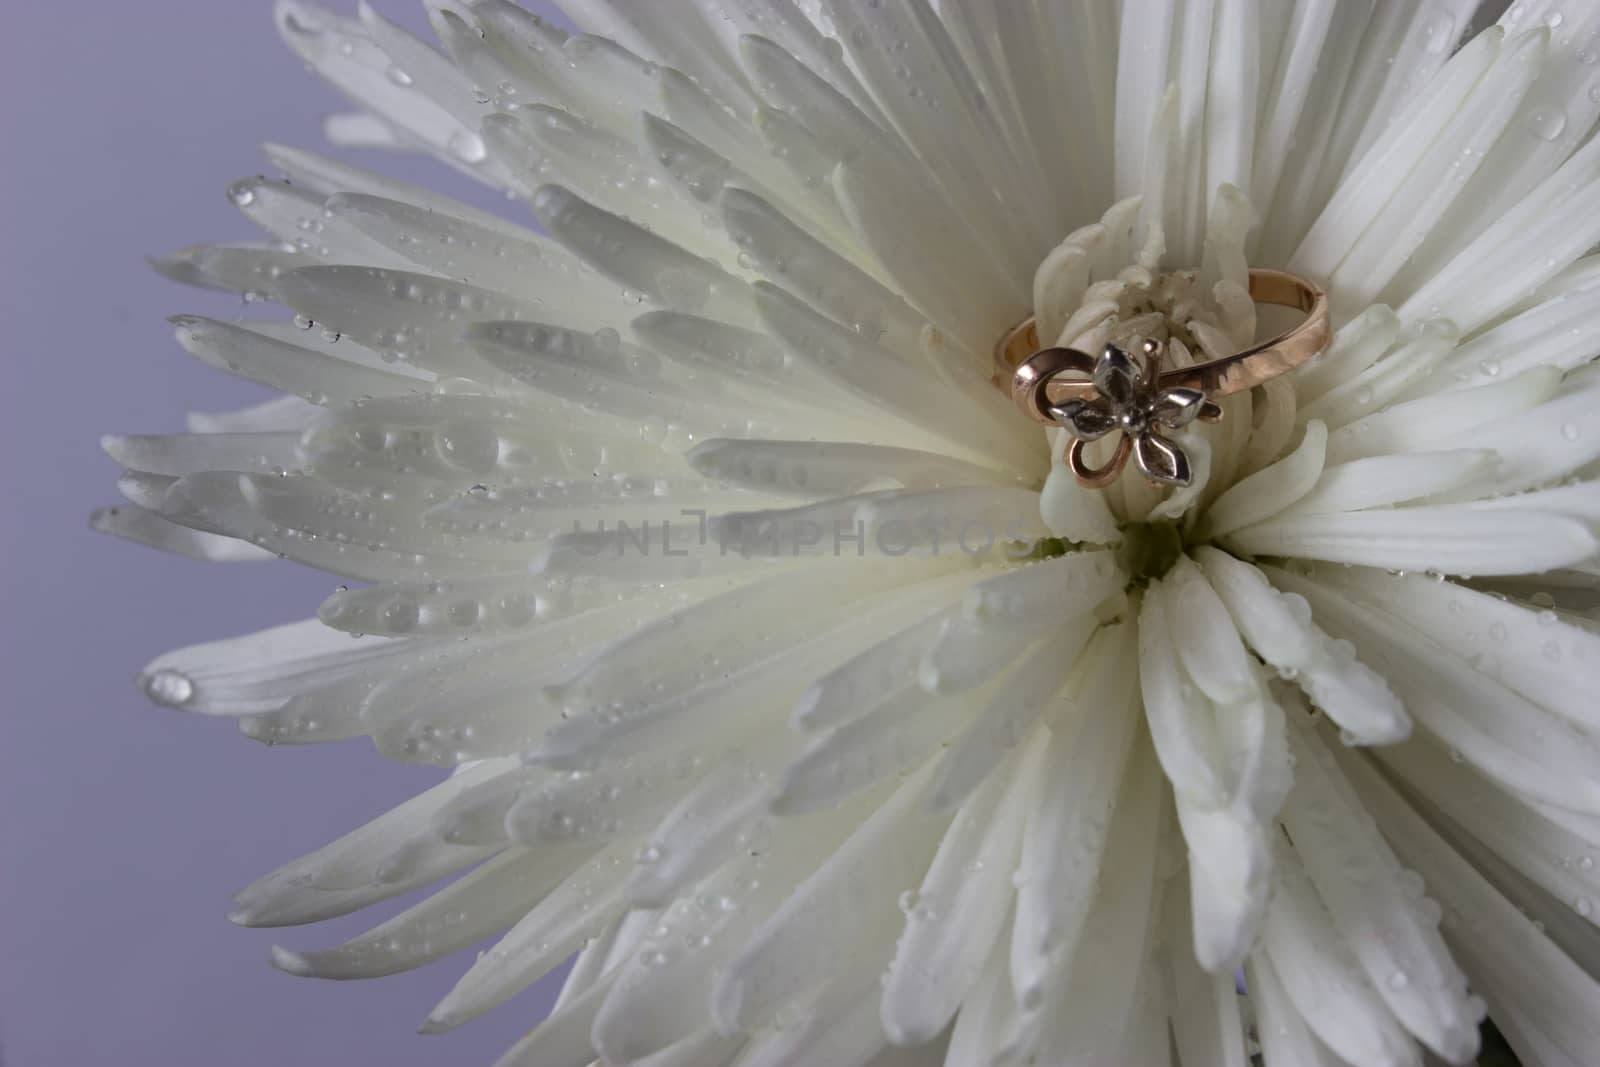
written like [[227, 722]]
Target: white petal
[[1182, 721], [1283, 1033], [1320, 977], [1385, 480], [987, 1017], [637, 259], [822, 469], [1357, 876], [469, 909], [1271, 489], [1204, 1007], [1542, 1001], [872, 676], [1504, 735], [1032, 692], [557, 926], [146, 528], [1281, 630], [1400, 370], [1230, 866], [892, 738], [836, 921], [1093, 1004], [1397, 152], [1357, 345], [259, 671], [393, 853], [1445, 540], [1070, 821], [1529, 244], [1548, 659], [961, 908], [1537, 848], [562, 1038]]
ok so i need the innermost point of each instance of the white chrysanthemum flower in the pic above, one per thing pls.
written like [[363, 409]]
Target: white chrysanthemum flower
[[817, 773]]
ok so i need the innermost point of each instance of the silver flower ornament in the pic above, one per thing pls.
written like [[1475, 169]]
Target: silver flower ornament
[[1127, 397]]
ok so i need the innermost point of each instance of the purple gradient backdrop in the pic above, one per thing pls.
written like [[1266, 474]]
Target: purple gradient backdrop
[[124, 828]]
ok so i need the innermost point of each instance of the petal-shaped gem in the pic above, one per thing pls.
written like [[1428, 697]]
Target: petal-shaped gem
[[1161, 460], [1084, 420], [1117, 377], [1177, 408]]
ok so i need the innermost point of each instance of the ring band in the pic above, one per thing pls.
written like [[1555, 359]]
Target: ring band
[[1032, 375]]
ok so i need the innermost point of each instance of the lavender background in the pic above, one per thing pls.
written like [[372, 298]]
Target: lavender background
[[124, 828]]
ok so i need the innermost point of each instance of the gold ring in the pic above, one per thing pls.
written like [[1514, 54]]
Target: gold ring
[[1029, 373], [1092, 396]]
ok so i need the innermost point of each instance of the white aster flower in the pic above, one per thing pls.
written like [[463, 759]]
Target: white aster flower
[[1327, 713]]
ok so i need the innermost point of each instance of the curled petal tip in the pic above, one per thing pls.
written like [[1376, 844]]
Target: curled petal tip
[[290, 962]]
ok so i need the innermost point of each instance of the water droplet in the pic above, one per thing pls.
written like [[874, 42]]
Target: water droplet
[[169, 687], [1571, 431], [242, 194], [470, 446], [398, 76], [1399, 980], [653, 430], [1582, 906], [400, 616], [1548, 123], [467, 146]]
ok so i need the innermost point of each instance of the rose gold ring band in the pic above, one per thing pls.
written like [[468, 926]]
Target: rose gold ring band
[[1033, 376]]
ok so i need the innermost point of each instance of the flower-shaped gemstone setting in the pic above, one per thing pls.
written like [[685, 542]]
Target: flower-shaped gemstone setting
[[1126, 398]]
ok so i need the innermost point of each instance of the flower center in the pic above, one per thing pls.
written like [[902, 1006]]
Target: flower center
[[1149, 550], [1111, 284]]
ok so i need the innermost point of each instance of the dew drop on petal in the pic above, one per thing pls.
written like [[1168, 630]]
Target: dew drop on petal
[[470, 446], [467, 146], [169, 687], [401, 616], [1548, 123]]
